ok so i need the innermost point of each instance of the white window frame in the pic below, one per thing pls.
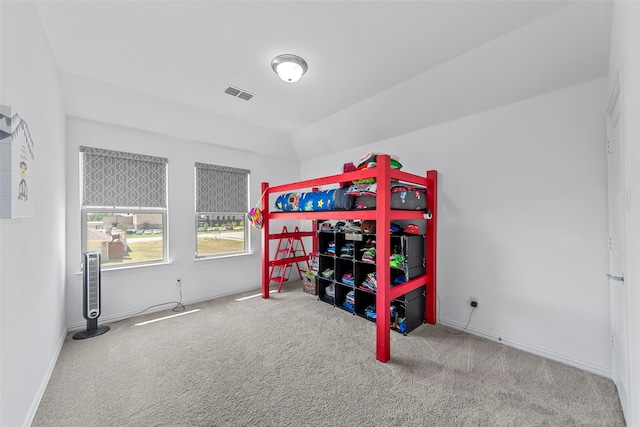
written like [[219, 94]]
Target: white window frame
[[84, 210], [247, 239]]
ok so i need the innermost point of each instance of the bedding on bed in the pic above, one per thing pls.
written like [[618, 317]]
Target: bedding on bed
[[403, 196], [356, 196], [327, 200]]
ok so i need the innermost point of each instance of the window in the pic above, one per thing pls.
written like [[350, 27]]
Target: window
[[124, 206], [222, 200]]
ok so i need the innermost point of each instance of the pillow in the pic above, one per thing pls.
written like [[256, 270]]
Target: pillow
[[362, 189]]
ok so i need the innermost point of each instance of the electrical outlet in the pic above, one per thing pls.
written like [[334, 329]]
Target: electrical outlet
[[473, 301], [178, 283]]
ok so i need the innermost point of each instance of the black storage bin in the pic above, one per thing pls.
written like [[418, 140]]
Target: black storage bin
[[411, 247], [411, 306]]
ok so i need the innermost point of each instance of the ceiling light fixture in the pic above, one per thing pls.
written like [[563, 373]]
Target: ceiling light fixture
[[289, 67]]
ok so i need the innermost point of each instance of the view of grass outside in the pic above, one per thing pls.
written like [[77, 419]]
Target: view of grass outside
[[139, 251], [124, 238], [220, 233], [214, 246], [143, 249]]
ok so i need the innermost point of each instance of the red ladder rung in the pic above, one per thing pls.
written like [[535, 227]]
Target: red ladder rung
[[291, 255]]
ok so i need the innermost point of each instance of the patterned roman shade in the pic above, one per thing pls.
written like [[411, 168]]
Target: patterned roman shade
[[115, 178], [221, 188]]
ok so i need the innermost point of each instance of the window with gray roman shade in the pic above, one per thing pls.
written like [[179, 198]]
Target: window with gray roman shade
[[221, 188], [115, 178]]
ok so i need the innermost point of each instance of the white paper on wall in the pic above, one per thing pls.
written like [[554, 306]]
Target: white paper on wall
[[17, 160]]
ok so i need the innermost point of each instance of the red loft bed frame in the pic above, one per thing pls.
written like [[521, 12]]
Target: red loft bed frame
[[383, 215]]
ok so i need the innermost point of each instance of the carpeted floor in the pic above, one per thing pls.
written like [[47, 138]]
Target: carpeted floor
[[295, 361]]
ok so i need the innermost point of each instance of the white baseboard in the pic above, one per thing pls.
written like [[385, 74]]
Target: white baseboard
[[567, 360], [45, 381]]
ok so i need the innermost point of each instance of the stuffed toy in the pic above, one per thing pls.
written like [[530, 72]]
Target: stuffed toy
[[368, 227]]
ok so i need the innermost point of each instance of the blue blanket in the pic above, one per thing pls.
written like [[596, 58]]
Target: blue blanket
[[326, 200]]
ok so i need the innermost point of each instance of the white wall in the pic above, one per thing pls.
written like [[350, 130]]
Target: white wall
[[1, 100], [94, 100], [33, 249], [128, 291], [523, 220], [498, 72], [625, 58]]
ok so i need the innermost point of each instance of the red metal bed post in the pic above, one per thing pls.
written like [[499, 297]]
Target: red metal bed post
[[264, 203], [383, 251], [430, 250], [314, 238]]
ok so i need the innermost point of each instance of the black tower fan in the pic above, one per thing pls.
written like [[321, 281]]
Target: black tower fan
[[91, 296]]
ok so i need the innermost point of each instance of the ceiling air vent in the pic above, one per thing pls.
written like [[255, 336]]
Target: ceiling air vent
[[232, 91], [238, 93]]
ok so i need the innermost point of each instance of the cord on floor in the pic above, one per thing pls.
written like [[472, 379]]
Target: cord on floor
[[177, 308]]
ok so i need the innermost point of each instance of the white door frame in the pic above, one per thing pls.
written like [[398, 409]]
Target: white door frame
[[618, 204]]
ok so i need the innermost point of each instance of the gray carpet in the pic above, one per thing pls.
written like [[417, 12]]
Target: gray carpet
[[295, 361]]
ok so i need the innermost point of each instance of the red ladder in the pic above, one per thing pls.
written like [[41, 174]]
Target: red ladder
[[287, 255]]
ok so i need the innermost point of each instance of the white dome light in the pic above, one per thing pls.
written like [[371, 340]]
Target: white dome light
[[289, 67]]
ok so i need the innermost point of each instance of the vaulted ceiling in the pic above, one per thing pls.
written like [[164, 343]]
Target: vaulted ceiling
[[376, 68]]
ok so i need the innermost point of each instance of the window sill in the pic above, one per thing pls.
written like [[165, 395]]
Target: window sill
[[107, 271], [213, 258]]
